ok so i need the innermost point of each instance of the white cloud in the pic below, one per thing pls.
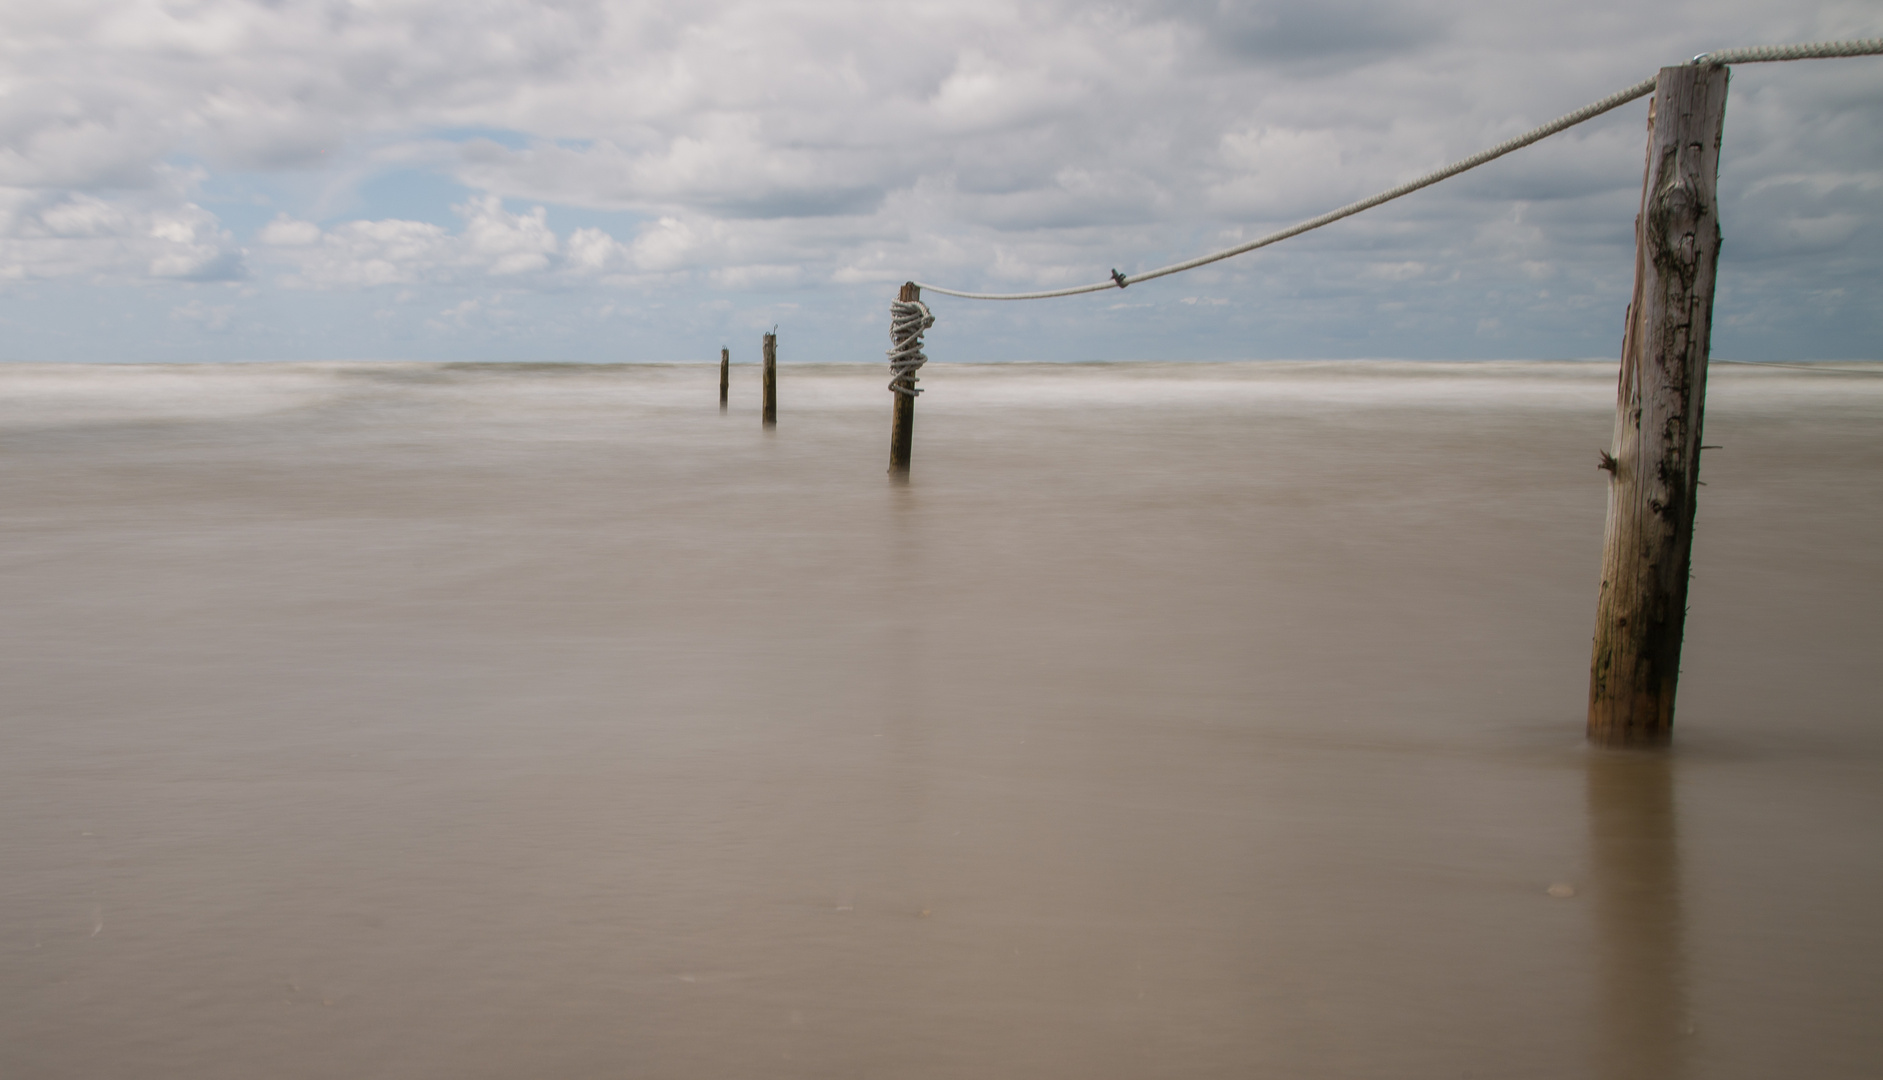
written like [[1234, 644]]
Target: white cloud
[[492, 243], [766, 146], [284, 231], [592, 251], [368, 253], [507, 243], [134, 237]]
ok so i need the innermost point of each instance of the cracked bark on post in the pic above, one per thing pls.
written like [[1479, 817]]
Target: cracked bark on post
[[1654, 464]]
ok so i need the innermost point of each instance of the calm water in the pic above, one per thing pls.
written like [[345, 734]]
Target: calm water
[[1216, 721]]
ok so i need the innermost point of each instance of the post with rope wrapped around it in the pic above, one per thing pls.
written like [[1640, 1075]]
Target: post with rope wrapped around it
[[1654, 463], [908, 317]]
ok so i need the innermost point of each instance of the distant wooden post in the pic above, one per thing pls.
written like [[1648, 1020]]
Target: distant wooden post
[[902, 423], [771, 380], [1654, 464], [725, 376]]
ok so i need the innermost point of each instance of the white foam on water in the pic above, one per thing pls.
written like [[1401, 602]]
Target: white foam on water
[[57, 394], [39, 395]]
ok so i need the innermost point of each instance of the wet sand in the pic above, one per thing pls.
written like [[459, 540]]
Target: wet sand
[[1217, 720]]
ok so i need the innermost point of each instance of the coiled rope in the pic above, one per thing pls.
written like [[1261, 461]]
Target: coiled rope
[[907, 320], [1755, 54]]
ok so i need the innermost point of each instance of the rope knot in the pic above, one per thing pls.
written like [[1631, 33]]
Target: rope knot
[[907, 320]]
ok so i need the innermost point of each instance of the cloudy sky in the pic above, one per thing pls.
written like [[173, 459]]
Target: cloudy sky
[[624, 180]]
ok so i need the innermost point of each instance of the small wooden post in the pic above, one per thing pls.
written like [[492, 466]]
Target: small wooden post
[[771, 380], [1654, 464], [725, 376], [902, 424]]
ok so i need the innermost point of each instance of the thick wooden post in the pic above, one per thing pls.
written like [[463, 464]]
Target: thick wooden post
[[902, 423], [725, 376], [771, 380], [1654, 464]]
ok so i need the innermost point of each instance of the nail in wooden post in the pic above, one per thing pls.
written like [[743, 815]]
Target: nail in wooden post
[[902, 424], [771, 380], [1654, 464], [725, 376]]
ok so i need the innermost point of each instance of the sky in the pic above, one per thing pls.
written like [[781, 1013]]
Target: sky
[[616, 180]]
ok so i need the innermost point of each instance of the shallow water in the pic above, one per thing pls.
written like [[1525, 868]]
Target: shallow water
[[1217, 720]]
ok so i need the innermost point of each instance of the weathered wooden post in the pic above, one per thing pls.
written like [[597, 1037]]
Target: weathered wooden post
[[1654, 464], [725, 376], [908, 317], [771, 380]]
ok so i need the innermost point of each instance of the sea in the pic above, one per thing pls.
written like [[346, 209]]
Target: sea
[[410, 720]]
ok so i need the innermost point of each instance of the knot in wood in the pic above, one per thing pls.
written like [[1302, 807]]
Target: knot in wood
[[1675, 216]]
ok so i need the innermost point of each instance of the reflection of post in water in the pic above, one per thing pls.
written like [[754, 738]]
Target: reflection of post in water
[[1634, 847]]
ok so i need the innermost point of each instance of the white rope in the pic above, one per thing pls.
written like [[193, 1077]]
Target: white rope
[[1822, 50], [907, 320], [1865, 47]]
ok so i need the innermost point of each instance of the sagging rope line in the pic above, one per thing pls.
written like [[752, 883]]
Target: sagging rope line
[[1754, 54], [907, 320]]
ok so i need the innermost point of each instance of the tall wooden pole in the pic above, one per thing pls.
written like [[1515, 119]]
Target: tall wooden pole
[[725, 376], [902, 424], [1654, 464], [771, 380]]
